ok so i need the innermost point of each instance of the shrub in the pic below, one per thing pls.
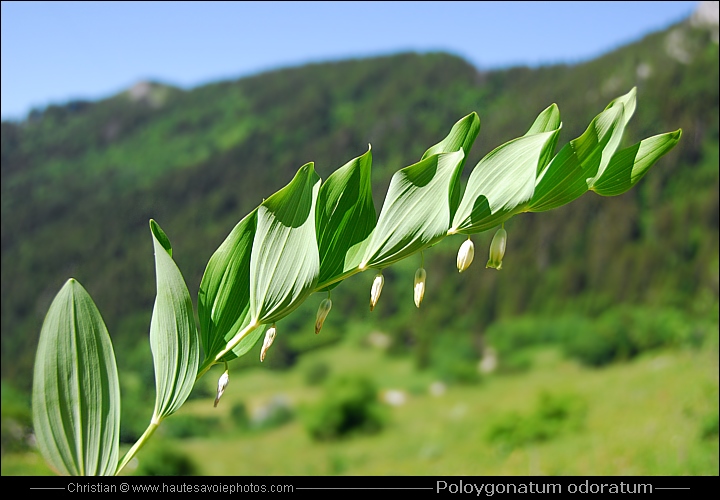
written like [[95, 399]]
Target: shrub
[[554, 415], [606, 344], [514, 338], [317, 373], [349, 406], [239, 416], [16, 420], [710, 426], [187, 426], [515, 362], [275, 414], [454, 359], [625, 332], [163, 459], [618, 334]]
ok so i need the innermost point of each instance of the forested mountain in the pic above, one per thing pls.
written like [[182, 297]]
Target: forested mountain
[[81, 180]]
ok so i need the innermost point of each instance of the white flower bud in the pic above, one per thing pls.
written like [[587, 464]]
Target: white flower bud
[[376, 289], [465, 255], [322, 313], [269, 337], [222, 384], [497, 249], [419, 291]]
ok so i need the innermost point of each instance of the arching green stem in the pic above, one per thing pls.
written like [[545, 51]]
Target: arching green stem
[[138, 444]]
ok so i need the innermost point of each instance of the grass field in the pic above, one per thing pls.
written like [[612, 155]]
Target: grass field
[[645, 417]]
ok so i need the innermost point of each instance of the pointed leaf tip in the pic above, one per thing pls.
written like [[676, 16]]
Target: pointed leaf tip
[[629, 165], [161, 237]]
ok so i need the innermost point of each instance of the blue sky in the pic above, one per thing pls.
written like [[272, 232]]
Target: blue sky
[[56, 51]]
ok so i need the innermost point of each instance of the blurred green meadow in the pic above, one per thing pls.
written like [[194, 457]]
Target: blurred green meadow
[[656, 414]]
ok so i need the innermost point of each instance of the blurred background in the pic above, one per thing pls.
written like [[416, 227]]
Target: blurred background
[[593, 351]]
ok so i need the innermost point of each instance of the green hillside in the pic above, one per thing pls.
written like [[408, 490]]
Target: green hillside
[[81, 180]]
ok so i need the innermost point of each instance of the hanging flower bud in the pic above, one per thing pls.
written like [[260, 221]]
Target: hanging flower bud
[[419, 290], [376, 289], [322, 313], [465, 255], [497, 249], [222, 384], [269, 337]]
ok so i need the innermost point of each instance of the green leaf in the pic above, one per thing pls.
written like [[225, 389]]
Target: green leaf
[[345, 217], [629, 102], [76, 392], [547, 121], [174, 339], [626, 103], [581, 161], [417, 209], [503, 182], [224, 296], [629, 165], [462, 135], [285, 264]]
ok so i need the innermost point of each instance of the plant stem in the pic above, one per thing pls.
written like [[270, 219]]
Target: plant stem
[[209, 363], [138, 444], [336, 279], [229, 347], [252, 326], [202, 371]]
